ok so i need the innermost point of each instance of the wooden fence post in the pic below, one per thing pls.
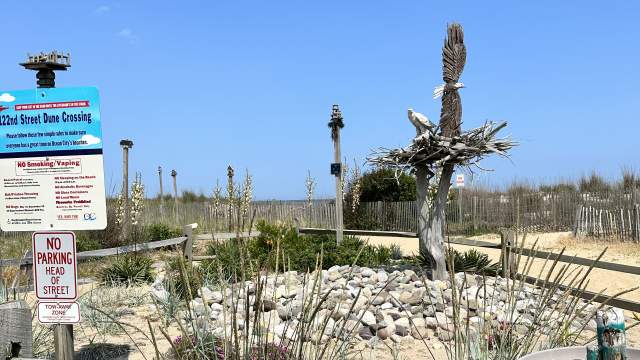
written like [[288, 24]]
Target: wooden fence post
[[187, 247], [506, 254], [63, 341], [475, 214]]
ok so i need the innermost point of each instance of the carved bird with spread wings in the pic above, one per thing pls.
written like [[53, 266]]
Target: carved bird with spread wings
[[454, 56]]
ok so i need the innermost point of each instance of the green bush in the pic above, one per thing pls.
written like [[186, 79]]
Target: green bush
[[180, 274], [381, 185], [297, 252], [129, 269], [230, 263], [471, 261], [396, 252], [87, 242], [162, 232]]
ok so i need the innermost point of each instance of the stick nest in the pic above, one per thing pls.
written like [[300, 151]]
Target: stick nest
[[434, 150]]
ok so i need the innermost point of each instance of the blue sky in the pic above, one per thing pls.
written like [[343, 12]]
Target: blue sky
[[198, 85]]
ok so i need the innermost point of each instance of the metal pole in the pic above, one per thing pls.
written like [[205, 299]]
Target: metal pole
[[161, 192], [174, 175]]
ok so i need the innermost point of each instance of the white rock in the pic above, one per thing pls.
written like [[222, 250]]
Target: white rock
[[368, 318], [382, 276]]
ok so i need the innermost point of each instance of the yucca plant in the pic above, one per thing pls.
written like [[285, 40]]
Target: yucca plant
[[470, 261], [129, 269], [473, 261]]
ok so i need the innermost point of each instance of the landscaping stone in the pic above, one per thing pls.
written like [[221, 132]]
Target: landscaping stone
[[366, 304]]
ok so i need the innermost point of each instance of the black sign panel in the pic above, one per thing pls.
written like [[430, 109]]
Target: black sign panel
[[336, 169]]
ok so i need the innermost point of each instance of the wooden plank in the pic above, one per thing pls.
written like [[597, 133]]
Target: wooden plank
[[475, 243], [203, 257], [227, 236], [318, 231], [588, 295], [628, 269], [130, 248]]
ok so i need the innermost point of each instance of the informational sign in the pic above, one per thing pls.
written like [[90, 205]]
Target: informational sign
[[55, 265], [58, 312], [51, 168], [460, 180]]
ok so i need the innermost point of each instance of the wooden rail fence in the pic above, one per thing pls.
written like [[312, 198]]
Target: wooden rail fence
[[508, 249]]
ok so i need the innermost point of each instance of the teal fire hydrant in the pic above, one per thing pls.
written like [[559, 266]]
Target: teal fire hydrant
[[612, 339]]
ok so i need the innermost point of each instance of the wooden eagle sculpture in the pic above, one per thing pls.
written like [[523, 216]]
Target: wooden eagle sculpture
[[454, 56]]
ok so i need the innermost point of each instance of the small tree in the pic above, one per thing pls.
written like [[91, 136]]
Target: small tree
[[437, 150], [385, 184]]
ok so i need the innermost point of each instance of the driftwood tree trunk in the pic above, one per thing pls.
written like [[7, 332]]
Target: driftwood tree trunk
[[442, 147], [431, 221]]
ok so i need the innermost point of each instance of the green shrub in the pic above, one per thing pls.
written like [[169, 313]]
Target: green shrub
[[231, 261], [180, 274], [86, 242], [129, 269], [471, 261], [382, 185], [162, 232], [396, 252], [383, 254], [295, 252]]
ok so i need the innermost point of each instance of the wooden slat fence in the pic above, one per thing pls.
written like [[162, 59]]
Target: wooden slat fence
[[611, 215]]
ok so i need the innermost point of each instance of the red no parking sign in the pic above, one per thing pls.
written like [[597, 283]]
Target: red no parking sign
[[54, 265]]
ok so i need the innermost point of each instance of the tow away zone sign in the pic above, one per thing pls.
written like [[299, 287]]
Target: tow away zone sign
[[58, 312], [55, 265]]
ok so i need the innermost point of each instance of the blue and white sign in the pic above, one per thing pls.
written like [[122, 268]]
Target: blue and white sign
[[51, 167]]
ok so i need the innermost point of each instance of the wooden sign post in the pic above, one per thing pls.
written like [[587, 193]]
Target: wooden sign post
[[335, 125], [66, 165], [55, 283]]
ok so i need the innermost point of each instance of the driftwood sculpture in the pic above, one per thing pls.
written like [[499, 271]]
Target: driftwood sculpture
[[437, 150]]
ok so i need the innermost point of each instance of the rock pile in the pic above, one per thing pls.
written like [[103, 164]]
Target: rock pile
[[368, 304]]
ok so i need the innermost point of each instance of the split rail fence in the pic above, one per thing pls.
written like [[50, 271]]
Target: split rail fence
[[509, 250]]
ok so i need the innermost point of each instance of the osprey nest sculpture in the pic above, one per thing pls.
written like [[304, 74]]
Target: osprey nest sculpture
[[437, 150], [435, 146]]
